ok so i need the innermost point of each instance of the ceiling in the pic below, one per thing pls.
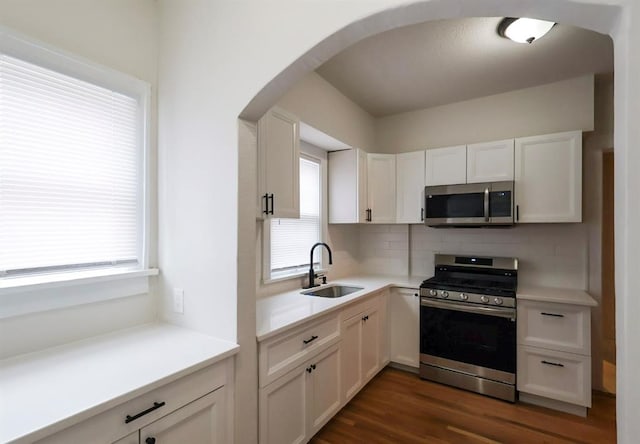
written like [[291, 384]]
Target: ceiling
[[446, 61]]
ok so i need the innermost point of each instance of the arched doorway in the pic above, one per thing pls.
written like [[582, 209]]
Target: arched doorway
[[598, 16]]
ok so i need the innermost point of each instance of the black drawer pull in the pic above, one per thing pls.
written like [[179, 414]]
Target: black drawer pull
[[555, 364], [266, 203], [150, 440], [555, 315], [311, 339], [272, 203], [156, 406]]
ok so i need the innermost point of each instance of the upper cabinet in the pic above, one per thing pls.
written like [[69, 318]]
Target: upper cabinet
[[490, 161], [446, 166], [347, 177], [548, 178], [278, 165], [381, 187], [362, 187], [410, 171]]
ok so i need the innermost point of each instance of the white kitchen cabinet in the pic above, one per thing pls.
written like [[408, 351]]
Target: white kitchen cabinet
[[490, 161], [278, 165], [298, 404], [381, 188], [446, 166], [178, 409], [548, 178], [554, 354], [347, 177], [404, 325], [198, 421], [361, 349], [410, 172]]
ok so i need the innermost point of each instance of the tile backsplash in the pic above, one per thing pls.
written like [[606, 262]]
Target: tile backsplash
[[553, 255]]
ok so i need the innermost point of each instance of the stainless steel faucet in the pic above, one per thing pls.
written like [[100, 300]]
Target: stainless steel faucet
[[312, 274]]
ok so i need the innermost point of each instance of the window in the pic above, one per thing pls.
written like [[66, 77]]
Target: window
[[291, 239], [72, 164]]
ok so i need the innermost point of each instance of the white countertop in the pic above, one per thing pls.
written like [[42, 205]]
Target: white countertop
[[44, 392], [275, 314], [557, 295]]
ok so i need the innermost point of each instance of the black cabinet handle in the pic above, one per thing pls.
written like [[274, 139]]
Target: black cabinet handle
[[555, 364], [311, 339], [416, 294], [266, 203], [272, 203], [150, 440], [308, 369], [555, 315], [313, 366], [156, 406], [422, 214], [365, 318], [517, 212]]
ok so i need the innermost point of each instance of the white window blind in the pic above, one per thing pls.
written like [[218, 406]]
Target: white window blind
[[292, 239], [70, 172]]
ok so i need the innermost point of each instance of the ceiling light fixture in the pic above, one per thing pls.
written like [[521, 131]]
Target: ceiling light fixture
[[523, 30]]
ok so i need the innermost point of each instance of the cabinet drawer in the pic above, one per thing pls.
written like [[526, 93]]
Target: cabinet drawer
[[284, 352], [555, 326], [355, 309], [556, 375], [110, 425]]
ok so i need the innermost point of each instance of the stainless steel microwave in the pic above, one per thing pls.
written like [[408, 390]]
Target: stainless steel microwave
[[473, 204]]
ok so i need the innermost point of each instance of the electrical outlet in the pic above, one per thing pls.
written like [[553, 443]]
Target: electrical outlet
[[178, 300]]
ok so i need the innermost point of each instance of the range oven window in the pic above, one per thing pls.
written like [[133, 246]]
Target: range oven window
[[444, 206], [482, 340]]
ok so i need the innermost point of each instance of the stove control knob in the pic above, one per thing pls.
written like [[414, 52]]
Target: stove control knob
[[464, 297], [433, 293], [444, 294], [484, 299], [497, 301]]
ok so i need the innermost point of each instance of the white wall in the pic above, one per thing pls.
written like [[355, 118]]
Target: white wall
[[321, 105], [546, 109], [122, 35]]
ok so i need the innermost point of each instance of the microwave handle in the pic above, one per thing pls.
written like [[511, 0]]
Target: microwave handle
[[486, 204]]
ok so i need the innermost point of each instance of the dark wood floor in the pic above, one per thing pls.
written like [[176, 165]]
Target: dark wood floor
[[398, 407]]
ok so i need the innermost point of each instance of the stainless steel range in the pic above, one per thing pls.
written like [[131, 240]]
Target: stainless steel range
[[468, 324]]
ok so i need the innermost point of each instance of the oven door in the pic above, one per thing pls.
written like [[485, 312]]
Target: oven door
[[476, 340]]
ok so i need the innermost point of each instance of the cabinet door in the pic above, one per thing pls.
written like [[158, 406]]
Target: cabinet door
[[490, 162], [548, 178], [347, 177], [279, 164], [134, 438], [371, 342], [404, 313], [324, 388], [446, 166], [381, 187], [351, 351], [283, 409], [410, 187], [201, 421]]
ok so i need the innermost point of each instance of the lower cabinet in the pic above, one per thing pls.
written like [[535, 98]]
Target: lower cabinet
[[308, 373], [404, 320], [362, 344], [554, 354], [196, 408], [295, 406]]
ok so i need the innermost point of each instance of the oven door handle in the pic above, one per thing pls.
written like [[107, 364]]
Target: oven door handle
[[508, 313]]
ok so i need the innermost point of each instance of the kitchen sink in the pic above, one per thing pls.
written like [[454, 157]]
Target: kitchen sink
[[333, 291]]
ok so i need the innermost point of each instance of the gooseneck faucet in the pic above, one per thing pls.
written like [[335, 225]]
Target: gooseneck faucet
[[312, 274]]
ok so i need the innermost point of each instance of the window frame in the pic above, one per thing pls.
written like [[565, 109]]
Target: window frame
[[36, 52], [318, 155]]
